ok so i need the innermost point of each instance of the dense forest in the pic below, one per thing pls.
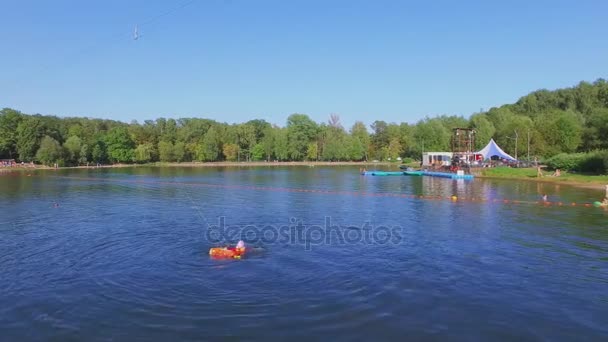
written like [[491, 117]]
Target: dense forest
[[549, 122]]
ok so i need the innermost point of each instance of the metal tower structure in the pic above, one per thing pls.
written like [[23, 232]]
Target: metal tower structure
[[463, 143]]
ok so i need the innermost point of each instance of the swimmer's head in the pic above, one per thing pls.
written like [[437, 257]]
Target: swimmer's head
[[240, 244]]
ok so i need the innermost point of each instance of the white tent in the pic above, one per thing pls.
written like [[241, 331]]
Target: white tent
[[492, 149]]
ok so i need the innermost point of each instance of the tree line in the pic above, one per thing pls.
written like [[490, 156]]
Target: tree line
[[549, 122]]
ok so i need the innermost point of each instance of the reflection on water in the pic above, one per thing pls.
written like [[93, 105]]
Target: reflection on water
[[124, 257]]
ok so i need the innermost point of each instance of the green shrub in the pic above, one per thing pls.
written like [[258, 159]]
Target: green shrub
[[566, 161], [597, 162], [591, 162]]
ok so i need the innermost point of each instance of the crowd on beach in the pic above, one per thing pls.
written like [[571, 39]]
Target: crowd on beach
[[9, 163]]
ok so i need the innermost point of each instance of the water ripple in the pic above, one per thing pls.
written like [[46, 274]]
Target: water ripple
[[124, 257]]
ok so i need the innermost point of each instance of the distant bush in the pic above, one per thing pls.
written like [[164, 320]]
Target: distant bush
[[596, 162], [566, 161], [592, 162], [407, 160]]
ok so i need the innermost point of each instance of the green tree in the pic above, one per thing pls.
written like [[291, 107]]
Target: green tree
[[561, 131], [179, 151], [260, 127], [268, 142], [312, 151], [84, 154], [301, 131], [452, 121], [49, 152], [29, 133], [144, 153], [334, 148], [602, 92], [76, 130], [361, 140], [406, 139], [511, 136], [9, 121], [72, 148], [98, 153], [394, 148], [231, 151], [281, 145], [257, 152], [119, 145], [355, 149], [595, 135], [431, 135], [209, 149], [165, 151], [169, 132], [499, 117], [380, 137], [246, 138], [484, 130]]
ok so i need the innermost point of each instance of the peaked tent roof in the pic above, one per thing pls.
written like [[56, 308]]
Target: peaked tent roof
[[492, 149]]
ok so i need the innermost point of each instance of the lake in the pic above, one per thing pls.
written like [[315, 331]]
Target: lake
[[122, 254]]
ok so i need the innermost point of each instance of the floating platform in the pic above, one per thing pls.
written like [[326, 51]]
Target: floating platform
[[417, 173], [382, 173], [447, 175]]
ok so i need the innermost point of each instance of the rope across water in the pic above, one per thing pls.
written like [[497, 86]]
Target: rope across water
[[338, 192]]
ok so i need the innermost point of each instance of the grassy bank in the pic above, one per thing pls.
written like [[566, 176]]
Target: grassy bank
[[529, 174]]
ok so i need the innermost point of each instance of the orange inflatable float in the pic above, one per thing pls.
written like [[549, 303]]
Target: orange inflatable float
[[228, 252]]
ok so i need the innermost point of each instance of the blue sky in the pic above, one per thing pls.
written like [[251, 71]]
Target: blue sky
[[235, 60]]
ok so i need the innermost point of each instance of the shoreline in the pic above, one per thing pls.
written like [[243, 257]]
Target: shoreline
[[593, 184], [199, 164]]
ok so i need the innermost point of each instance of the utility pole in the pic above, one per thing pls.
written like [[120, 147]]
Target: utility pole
[[422, 154], [516, 137], [528, 145]]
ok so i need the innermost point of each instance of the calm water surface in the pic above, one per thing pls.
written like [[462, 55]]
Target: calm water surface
[[124, 257]]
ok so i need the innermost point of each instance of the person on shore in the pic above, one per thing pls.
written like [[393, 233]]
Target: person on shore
[[539, 172], [605, 201], [557, 173]]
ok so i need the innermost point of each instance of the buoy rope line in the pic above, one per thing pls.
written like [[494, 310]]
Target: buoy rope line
[[337, 192]]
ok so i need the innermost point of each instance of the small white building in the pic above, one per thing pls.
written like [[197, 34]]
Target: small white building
[[436, 159]]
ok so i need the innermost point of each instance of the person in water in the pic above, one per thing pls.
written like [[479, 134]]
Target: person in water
[[545, 198], [239, 248], [235, 252]]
